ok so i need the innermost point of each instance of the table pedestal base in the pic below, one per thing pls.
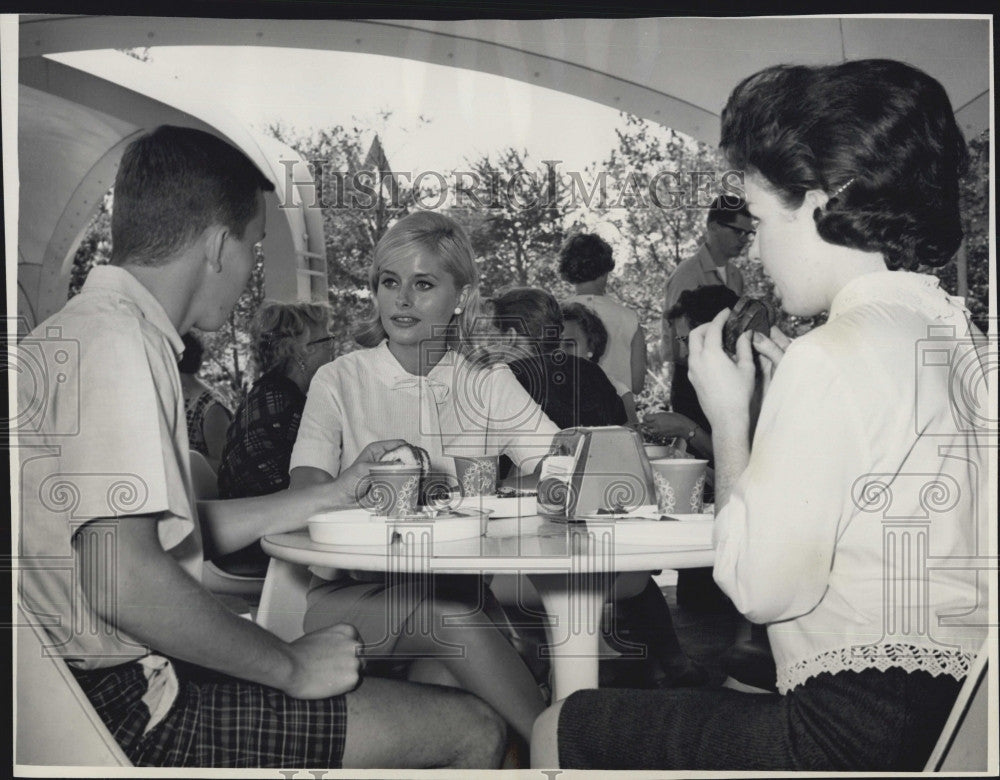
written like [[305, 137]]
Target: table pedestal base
[[575, 604]]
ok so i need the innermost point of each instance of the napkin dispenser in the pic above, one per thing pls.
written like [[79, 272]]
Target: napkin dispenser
[[594, 470]]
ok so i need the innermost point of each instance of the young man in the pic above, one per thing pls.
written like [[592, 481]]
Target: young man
[[728, 232], [106, 494]]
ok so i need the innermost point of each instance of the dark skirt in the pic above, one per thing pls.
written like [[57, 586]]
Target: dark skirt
[[850, 721]]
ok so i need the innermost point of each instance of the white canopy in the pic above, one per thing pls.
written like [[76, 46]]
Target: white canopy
[[677, 71]]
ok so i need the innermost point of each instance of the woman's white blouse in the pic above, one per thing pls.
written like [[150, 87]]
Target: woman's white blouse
[[458, 408], [859, 531]]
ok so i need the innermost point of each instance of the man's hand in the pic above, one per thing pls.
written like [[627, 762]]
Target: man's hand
[[349, 478], [324, 663], [667, 424], [724, 386]]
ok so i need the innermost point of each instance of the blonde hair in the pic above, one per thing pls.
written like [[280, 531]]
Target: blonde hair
[[443, 238], [277, 330]]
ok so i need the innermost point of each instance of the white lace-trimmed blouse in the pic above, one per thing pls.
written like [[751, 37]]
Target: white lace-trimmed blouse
[[855, 531], [458, 408]]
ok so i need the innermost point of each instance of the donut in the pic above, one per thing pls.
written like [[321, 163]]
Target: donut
[[408, 455], [747, 314]]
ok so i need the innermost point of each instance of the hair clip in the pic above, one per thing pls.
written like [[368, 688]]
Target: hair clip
[[841, 188]]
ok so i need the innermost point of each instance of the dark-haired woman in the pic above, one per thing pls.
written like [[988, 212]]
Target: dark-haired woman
[[585, 336], [860, 475], [585, 260], [575, 392]]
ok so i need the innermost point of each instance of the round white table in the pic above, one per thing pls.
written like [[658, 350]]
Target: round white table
[[572, 565]]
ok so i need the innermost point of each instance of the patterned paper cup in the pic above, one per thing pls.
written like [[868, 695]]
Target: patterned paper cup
[[477, 475], [391, 489], [680, 483]]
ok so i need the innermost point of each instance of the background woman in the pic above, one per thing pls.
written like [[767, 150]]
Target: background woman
[[851, 170], [570, 389], [290, 341], [585, 261], [585, 336]]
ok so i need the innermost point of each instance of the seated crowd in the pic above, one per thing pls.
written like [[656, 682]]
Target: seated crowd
[[180, 680]]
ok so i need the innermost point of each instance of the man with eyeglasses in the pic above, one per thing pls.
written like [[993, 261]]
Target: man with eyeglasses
[[728, 232]]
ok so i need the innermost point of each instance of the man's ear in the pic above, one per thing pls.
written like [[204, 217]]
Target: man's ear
[[215, 242]]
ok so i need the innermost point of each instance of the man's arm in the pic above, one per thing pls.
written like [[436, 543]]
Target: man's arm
[[231, 525], [154, 600]]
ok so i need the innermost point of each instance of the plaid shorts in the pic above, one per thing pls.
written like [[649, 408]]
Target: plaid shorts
[[217, 721]]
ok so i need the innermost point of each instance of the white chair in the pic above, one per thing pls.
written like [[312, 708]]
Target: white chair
[[963, 744], [247, 590], [282, 606], [55, 723]]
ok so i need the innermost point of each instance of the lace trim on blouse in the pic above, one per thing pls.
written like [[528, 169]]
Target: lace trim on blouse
[[911, 658]]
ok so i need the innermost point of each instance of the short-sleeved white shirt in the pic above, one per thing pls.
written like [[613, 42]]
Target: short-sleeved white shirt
[[458, 408], [102, 434]]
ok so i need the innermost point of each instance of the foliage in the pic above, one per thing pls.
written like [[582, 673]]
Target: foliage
[[648, 198], [514, 218], [95, 246], [227, 363], [974, 198], [354, 216]]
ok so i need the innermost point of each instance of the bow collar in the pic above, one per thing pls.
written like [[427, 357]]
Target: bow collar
[[439, 390]]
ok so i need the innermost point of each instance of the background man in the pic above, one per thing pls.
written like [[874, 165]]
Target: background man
[[727, 234]]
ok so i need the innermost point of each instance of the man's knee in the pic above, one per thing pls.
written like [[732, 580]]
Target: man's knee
[[486, 738]]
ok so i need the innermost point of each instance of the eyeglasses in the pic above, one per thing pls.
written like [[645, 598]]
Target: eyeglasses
[[320, 341], [744, 233]]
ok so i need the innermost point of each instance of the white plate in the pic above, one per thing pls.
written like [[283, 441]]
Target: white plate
[[356, 527], [501, 507]]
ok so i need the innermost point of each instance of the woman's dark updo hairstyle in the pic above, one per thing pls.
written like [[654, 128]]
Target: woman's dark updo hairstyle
[[884, 126], [585, 257]]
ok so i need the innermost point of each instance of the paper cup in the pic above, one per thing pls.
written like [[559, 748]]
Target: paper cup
[[477, 475], [392, 489], [680, 483]]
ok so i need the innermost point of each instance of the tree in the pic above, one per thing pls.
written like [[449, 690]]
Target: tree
[[514, 215], [654, 188], [95, 246], [360, 200], [974, 201]]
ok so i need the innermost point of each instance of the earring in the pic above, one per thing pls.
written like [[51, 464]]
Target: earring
[[458, 310]]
